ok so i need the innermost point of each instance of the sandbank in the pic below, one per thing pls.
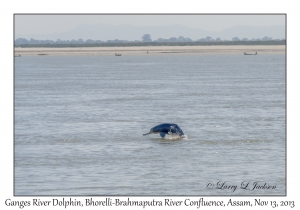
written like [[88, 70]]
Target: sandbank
[[152, 50]]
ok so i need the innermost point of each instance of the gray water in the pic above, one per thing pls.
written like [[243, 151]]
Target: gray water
[[79, 123]]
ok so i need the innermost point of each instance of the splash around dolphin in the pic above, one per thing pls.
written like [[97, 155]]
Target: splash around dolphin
[[166, 128]]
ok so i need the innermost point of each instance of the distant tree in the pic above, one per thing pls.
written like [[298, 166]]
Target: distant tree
[[208, 38], [146, 38], [89, 41], [58, 41], [162, 40], [201, 40], [80, 41], [266, 38], [34, 41], [173, 39], [234, 39], [181, 39], [21, 41], [117, 41]]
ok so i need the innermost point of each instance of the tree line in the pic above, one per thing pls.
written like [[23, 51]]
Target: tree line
[[133, 44], [147, 41]]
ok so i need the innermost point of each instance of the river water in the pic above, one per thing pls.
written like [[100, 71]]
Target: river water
[[79, 120]]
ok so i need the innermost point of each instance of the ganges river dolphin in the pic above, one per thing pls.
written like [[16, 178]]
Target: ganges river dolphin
[[166, 128]]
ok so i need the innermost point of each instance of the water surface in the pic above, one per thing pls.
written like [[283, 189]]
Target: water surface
[[79, 122]]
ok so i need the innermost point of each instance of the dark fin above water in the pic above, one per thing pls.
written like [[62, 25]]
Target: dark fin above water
[[162, 134]]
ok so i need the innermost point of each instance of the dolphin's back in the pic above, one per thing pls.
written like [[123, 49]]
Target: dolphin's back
[[168, 128]]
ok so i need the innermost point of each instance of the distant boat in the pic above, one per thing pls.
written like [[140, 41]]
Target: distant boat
[[42, 54], [118, 54], [250, 53]]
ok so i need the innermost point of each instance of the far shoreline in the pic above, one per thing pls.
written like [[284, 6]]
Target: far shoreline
[[151, 50]]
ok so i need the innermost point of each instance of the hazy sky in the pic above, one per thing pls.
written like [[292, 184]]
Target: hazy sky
[[46, 24]]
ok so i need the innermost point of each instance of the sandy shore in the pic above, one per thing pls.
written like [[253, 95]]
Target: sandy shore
[[153, 50]]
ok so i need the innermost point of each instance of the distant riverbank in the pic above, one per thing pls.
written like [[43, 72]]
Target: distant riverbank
[[152, 50]]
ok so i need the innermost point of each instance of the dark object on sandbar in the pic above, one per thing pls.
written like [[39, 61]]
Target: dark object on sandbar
[[18, 55], [166, 128], [42, 54], [118, 54], [250, 53]]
